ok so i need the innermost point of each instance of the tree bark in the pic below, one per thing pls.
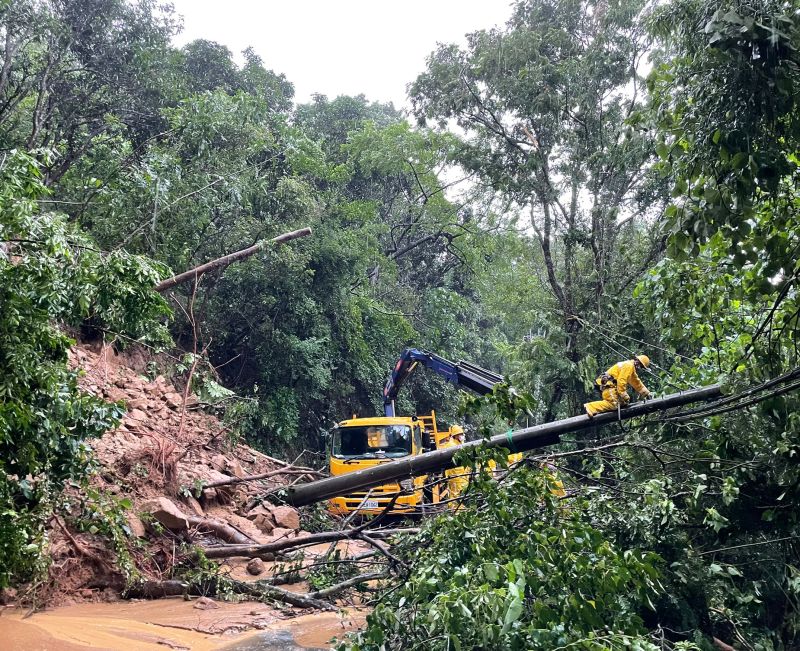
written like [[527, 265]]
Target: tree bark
[[221, 530], [224, 261], [261, 590], [265, 475]]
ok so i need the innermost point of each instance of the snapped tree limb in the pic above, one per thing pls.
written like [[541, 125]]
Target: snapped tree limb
[[224, 261]]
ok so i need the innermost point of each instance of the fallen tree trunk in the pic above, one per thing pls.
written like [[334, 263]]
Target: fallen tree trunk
[[266, 475], [221, 530], [224, 261], [253, 551], [258, 589], [158, 589], [349, 583], [268, 549], [529, 438], [262, 590], [380, 534]]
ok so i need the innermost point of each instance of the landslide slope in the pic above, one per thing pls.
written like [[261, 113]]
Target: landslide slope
[[151, 477]]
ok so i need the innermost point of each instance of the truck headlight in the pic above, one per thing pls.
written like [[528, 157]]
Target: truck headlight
[[407, 484]]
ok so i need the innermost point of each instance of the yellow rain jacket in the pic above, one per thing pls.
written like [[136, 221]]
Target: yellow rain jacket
[[615, 388]]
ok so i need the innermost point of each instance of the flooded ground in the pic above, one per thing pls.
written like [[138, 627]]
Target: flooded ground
[[172, 624]]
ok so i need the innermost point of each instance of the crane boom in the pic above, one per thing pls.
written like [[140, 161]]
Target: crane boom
[[463, 374]]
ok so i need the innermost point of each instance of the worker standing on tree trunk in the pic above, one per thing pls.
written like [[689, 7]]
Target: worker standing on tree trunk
[[613, 384]]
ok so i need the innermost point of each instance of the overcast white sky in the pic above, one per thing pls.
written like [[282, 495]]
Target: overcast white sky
[[340, 47]]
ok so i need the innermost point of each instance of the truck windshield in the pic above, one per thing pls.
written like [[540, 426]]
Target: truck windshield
[[373, 442]]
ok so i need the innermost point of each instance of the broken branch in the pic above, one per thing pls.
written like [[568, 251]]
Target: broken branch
[[224, 261]]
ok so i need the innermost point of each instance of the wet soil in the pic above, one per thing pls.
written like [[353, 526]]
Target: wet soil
[[171, 624]]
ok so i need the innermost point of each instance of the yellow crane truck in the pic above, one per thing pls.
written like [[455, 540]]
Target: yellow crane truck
[[360, 443]]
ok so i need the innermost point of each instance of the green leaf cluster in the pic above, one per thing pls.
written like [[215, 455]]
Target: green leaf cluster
[[518, 571], [51, 276]]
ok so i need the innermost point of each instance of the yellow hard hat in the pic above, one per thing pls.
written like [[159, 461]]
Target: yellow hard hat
[[644, 359]]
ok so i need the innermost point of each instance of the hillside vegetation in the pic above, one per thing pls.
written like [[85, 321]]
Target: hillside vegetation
[[589, 181]]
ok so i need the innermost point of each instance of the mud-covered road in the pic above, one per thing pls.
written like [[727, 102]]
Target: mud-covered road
[[171, 624]]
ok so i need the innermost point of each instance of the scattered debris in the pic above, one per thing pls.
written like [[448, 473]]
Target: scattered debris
[[184, 481]]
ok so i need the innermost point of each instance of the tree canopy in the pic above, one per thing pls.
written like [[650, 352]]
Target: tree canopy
[[590, 181]]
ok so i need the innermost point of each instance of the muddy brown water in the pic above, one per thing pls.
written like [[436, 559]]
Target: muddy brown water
[[171, 624]]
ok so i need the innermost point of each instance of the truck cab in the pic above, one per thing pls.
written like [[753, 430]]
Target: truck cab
[[360, 443]]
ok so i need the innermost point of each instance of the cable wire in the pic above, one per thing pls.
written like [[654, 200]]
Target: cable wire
[[644, 343], [725, 409], [632, 353]]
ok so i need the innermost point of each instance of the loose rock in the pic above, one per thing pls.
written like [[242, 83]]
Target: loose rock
[[264, 524], [194, 505], [174, 400], [136, 525], [166, 513], [255, 567], [204, 603], [137, 414], [286, 517], [138, 403]]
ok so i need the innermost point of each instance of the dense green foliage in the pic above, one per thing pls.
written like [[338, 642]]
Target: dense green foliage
[[531, 574], [544, 103], [605, 213], [50, 275]]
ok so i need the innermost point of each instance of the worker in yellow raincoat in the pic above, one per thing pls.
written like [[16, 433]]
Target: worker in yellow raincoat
[[614, 385]]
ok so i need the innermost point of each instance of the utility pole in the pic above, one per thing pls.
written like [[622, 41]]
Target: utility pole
[[529, 438]]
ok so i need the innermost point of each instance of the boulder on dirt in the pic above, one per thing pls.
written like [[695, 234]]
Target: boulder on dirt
[[193, 504], [191, 475], [261, 516], [138, 403], [114, 394], [138, 415], [135, 525], [134, 384], [229, 466], [255, 567], [166, 513], [286, 517], [265, 524], [158, 387], [204, 603], [174, 399]]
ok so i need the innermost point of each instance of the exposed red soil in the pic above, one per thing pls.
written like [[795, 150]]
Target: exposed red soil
[[163, 449]]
